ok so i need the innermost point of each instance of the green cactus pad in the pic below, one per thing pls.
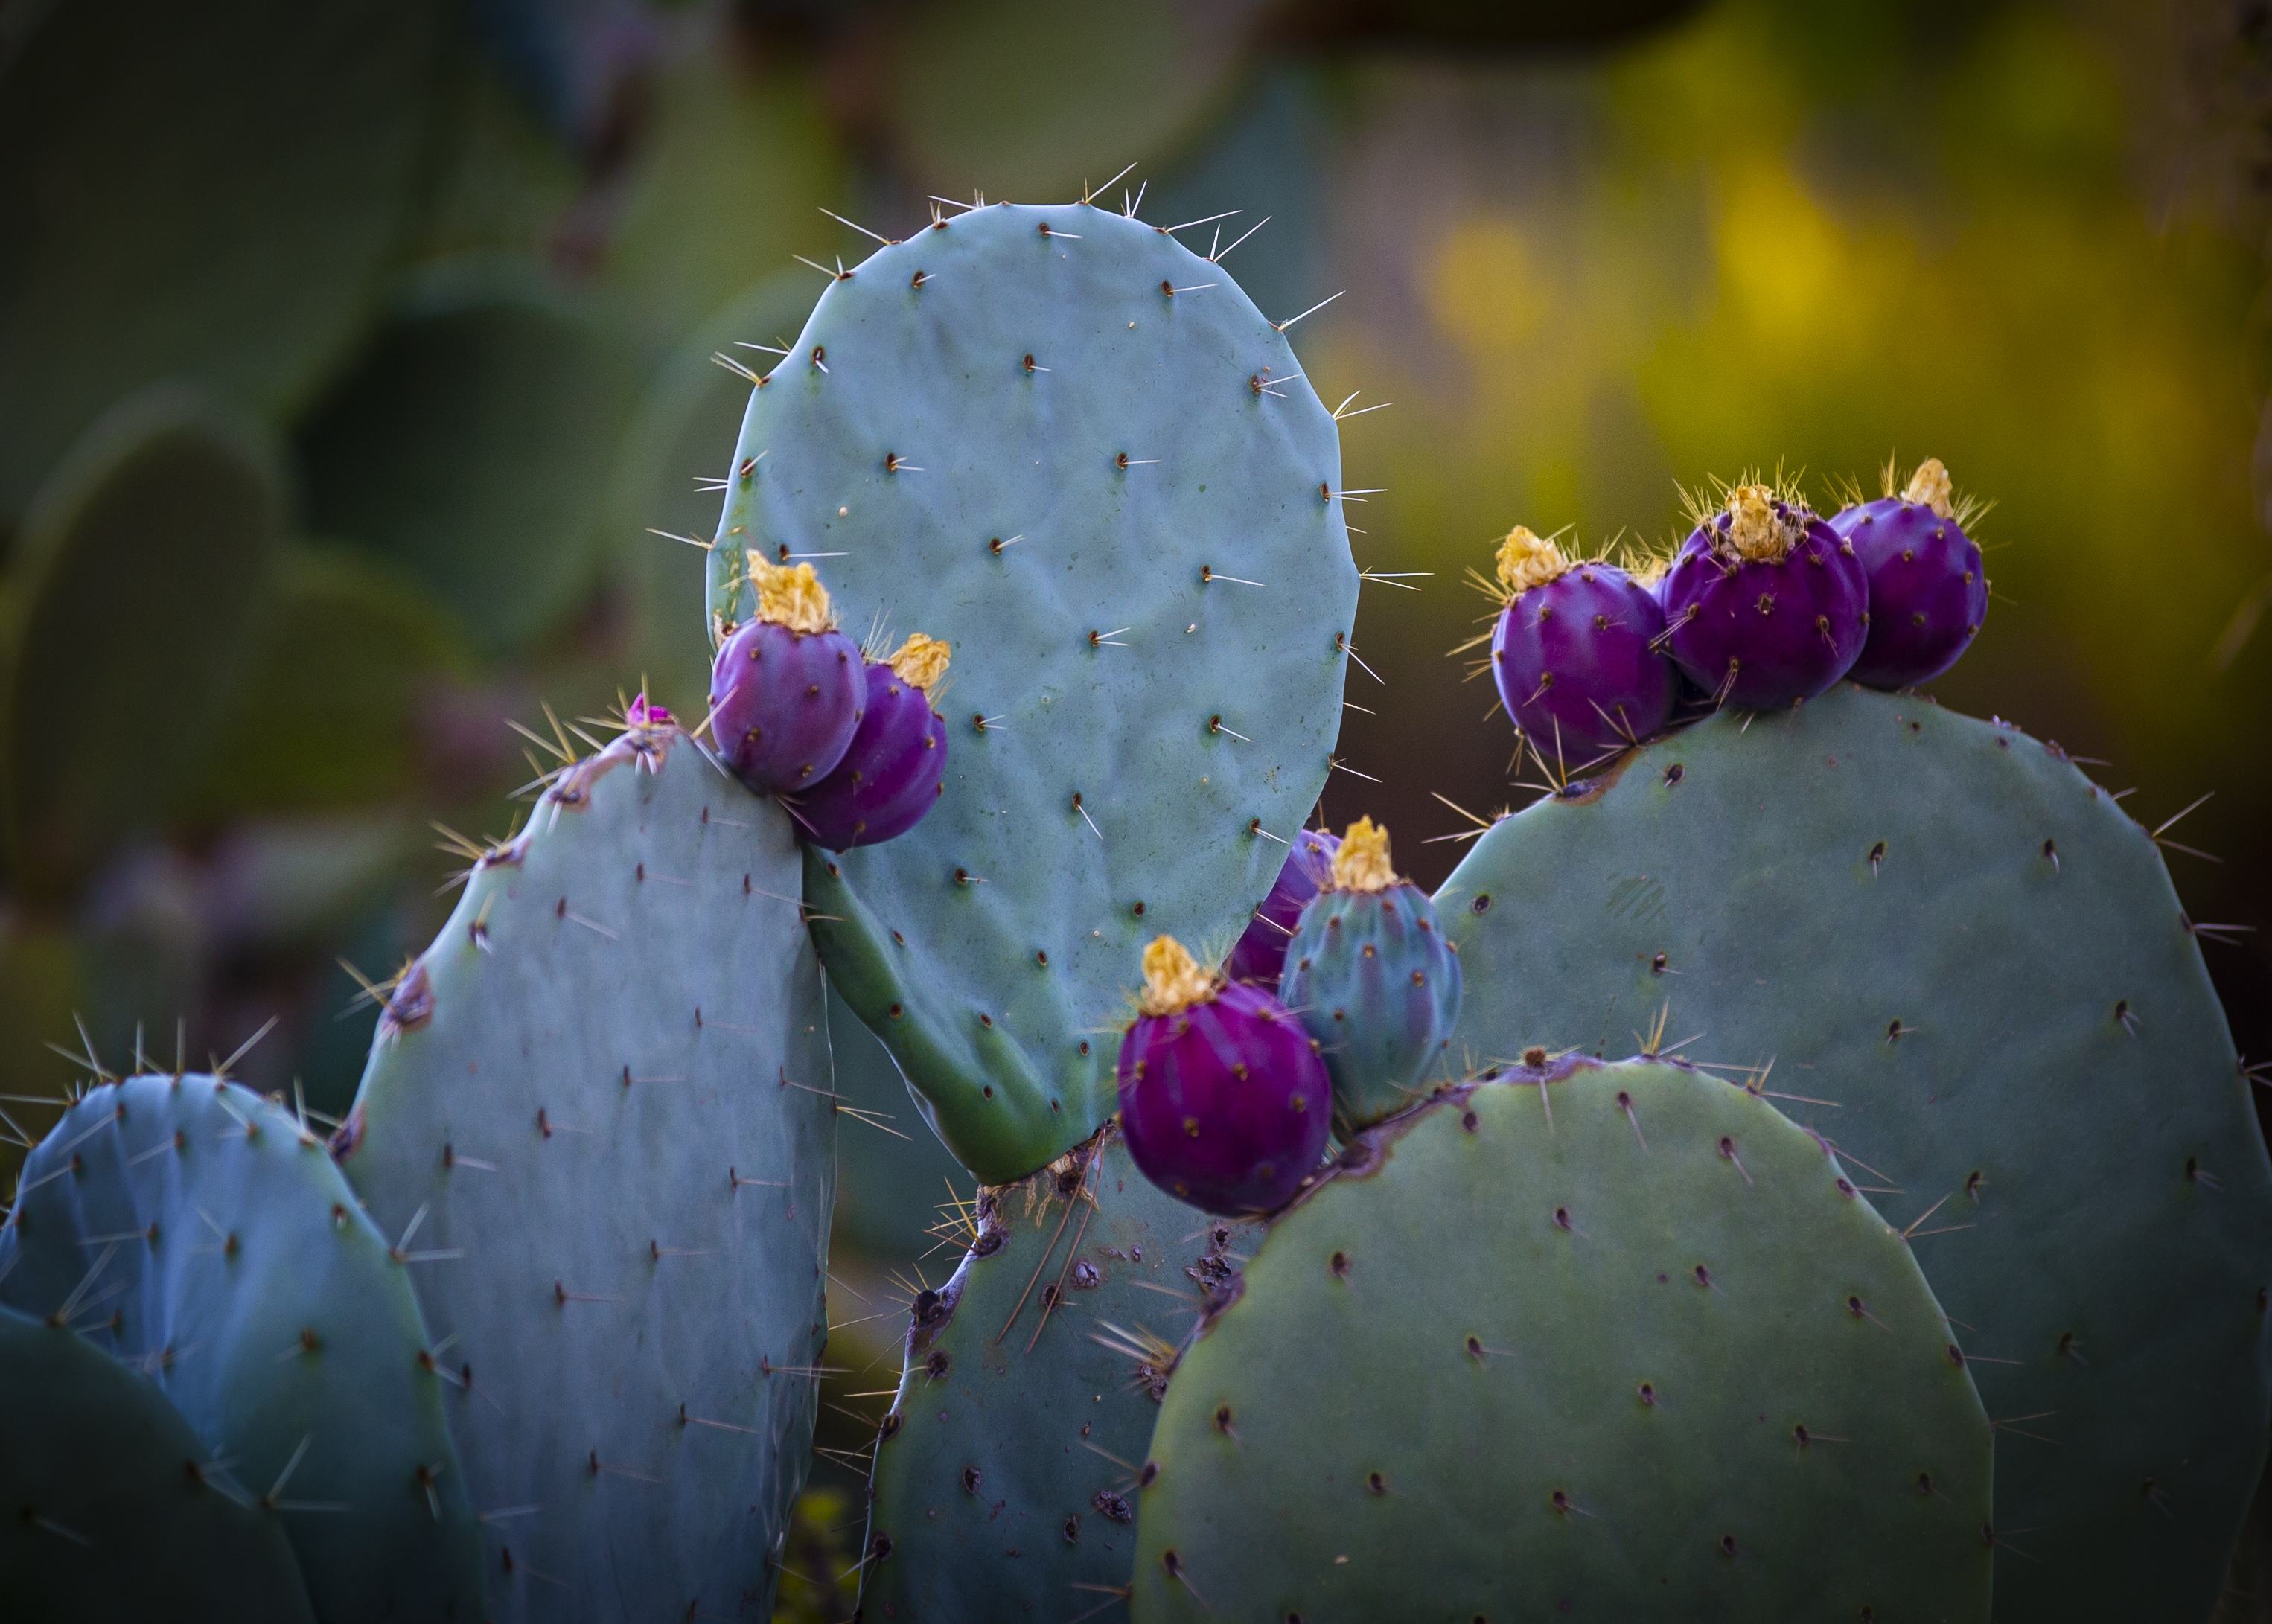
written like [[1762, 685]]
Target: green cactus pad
[[1005, 1476], [115, 1507], [153, 544], [471, 444], [1135, 547], [1613, 1342], [892, 1178], [201, 1233], [328, 712], [1971, 974], [597, 1110], [212, 193]]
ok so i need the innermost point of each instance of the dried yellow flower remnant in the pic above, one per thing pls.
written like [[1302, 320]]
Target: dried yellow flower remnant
[[1646, 573], [1173, 980], [921, 661], [1361, 862], [1931, 485], [1527, 559], [790, 595], [1755, 530]]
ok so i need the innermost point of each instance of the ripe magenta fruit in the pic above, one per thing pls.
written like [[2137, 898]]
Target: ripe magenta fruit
[[1928, 591], [1223, 1099], [1764, 605], [896, 766], [786, 693], [1575, 654]]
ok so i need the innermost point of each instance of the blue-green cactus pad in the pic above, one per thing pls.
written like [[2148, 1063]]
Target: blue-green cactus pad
[[1971, 975], [596, 1107], [1597, 1342], [201, 1233], [1005, 1474], [115, 1508], [1146, 708]]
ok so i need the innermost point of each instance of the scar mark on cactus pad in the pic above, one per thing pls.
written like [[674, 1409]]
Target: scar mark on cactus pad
[[1637, 898]]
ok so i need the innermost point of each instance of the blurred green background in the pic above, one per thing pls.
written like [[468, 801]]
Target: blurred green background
[[350, 353]]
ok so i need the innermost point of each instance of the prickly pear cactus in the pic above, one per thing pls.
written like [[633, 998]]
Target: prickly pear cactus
[[1968, 971], [1072, 448], [118, 1510], [595, 1120], [201, 1235], [1668, 1365], [1005, 1474]]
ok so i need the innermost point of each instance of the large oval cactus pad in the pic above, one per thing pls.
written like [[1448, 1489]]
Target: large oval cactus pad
[[1604, 1342], [118, 1511], [1074, 449], [1971, 974], [153, 542], [1005, 1475], [595, 1118], [201, 1233]]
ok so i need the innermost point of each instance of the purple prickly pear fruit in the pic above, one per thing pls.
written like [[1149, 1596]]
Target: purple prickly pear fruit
[[644, 712], [1928, 593], [896, 766], [1575, 654], [1259, 954], [1223, 1099], [786, 693], [1765, 604]]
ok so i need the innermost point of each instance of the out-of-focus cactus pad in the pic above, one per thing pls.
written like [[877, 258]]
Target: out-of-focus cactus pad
[[115, 1508], [146, 561], [209, 193]]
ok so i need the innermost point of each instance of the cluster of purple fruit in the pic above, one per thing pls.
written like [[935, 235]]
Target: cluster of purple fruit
[[851, 747], [1339, 994], [1762, 606]]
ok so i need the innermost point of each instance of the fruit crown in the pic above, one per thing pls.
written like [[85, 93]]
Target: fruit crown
[[1361, 862], [1527, 559], [790, 595], [1932, 486], [1173, 980], [920, 661], [1756, 529]]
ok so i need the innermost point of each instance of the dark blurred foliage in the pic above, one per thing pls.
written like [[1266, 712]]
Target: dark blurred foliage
[[348, 354]]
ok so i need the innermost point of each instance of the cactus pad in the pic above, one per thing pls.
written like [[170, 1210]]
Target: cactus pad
[[201, 1233], [470, 444], [1971, 974], [214, 196], [594, 1109], [1067, 445], [153, 542], [1007, 1471], [118, 1511], [1656, 1361]]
